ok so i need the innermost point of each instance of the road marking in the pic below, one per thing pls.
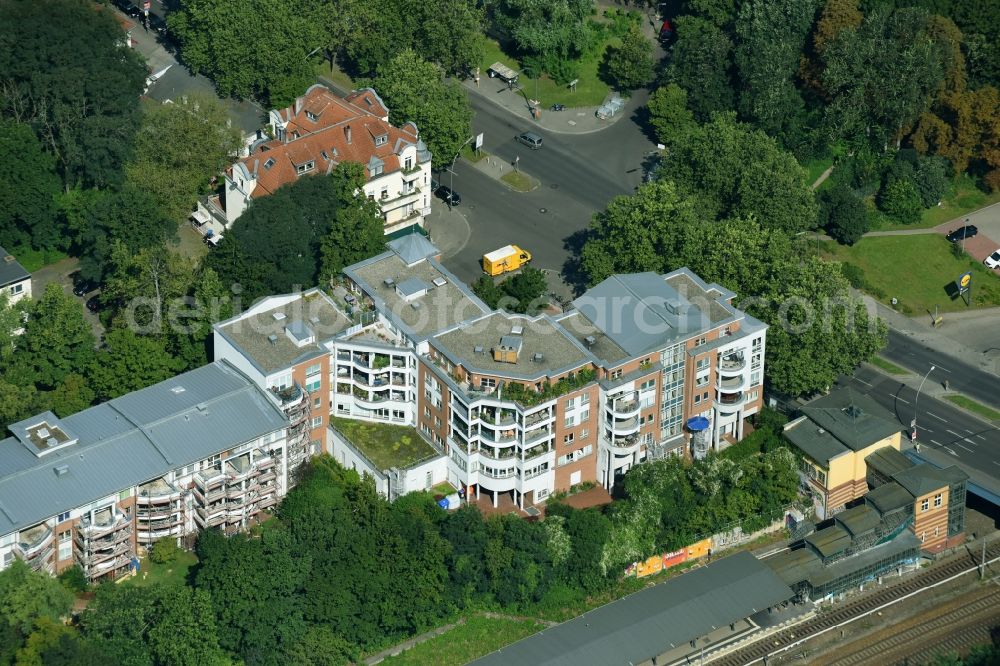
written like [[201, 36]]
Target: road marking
[[938, 417], [937, 443], [939, 367], [965, 447], [900, 399], [950, 451], [981, 437], [864, 382], [971, 432]]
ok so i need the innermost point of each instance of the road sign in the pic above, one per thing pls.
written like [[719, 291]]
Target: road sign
[[479, 141]]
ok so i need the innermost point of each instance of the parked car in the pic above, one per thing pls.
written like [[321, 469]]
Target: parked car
[[448, 195], [968, 231], [993, 261], [94, 304], [81, 286], [530, 139]]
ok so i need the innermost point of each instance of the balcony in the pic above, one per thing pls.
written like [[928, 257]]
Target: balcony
[[33, 541], [532, 454], [238, 468], [151, 535], [157, 492], [266, 502], [207, 497], [96, 557], [732, 363], [537, 435], [102, 522], [538, 472], [537, 417], [622, 445], [625, 427], [730, 399], [291, 396], [497, 455], [106, 541], [151, 513], [624, 407], [208, 479], [730, 384]]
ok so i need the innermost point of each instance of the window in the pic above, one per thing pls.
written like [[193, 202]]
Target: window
[[647, 385], [569, 423], [313, 369], [488, 382], [697, 400], [427, 410], [585, 433], [376, 170], [124, 495], [937, 501], [314, 383], [63, 517], [317, 401], [305, 168], [701, 364], [408, 164], [385, 193], [584, 416], [570, 404], [437, 422], [616, 374], [317, 421], [937, 531], [568, 439], [924, 505], [65, 545], [701, 381], [700, 341], [17, 288], [268, 164], [754, 379], [923, 535], [381, 139]]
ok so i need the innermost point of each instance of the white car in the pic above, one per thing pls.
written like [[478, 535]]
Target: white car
[[993, 261]]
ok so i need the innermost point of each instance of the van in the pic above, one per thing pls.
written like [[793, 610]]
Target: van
[[530, 139], [506, 259]]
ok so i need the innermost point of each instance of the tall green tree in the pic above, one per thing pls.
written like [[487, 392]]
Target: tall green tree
[[358, 231], [450, 33], [57, 341], [415, 91], [669, 114], [551, 32], [702, 64], [179, 148], [630, 65], [28, 211], [254, 49], [128, 362], [843, 214], [26, 596], [67, 72]]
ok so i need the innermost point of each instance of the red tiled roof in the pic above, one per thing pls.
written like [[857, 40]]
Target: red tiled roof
[[323, 141]]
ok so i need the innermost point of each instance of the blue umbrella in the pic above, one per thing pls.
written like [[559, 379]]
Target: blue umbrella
[[697, 424]]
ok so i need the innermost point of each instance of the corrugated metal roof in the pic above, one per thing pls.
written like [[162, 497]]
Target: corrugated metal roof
[[132, 439], [887, 461], [655, 620], [889, 497], [858, 520], [830, 540]]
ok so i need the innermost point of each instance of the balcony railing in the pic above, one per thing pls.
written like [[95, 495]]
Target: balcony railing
[[537, 418], [623, 443], [538, 452], [537, 435], [732, 363], [731, 398], [498, 455], [34, 540], [624, 407], [104, 522], [730, 384]]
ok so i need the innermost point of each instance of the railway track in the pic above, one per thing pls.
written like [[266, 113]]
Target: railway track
[[950, 627], [780, 642]]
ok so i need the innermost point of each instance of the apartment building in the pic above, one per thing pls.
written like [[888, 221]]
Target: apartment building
[[206, 448], [526, 406], [312, 136]]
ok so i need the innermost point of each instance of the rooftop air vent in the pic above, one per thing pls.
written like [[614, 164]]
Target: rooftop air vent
[[388, 282], [853, 411], [590, 340], [537, 357], [8, 258], [516, 330], [177, 390], [278, 316], [43, 432], [479, 349], [202, 407], [415, 306], [61, 470], [821, 431], [51, 441], [273, 339], [440, 282]]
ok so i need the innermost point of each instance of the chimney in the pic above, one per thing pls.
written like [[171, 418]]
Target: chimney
[[347, 134], [298, 105]]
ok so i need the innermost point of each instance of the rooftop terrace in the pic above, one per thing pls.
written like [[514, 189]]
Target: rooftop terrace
[[384, 444]]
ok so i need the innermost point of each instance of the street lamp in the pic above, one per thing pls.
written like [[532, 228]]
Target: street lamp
[[918, 398], [451, 169]]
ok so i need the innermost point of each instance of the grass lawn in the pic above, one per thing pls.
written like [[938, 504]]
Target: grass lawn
[[517, 181], [815, 168], [973, 406], [172, 573], [891, 368], [339, 78], [472, 156], [33, 259], [384, 444], [963, 199], [477, 637], [918, 270], [443, 488], [590, 89]]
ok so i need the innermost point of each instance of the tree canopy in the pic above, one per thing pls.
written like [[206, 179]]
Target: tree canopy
[[28, 191]]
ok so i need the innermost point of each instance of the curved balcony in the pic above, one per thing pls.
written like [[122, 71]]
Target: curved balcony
[[101, 523], [623, 408], [623, 445], [732, 363], [157, 492], [730, 384], [33, 541], [625, 427], [730, 402], [291, 396], [544, 416], [533, 455], [537, 436], [148, 536], [156, 513], [502, 457], [498, 482]]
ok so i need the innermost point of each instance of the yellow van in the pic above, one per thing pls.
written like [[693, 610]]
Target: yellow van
[[506, 259]]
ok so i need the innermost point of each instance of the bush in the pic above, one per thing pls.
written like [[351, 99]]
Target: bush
[[854, 274], [164, 550], [843, 214], [931, 178], [74, 580], [900, 200]]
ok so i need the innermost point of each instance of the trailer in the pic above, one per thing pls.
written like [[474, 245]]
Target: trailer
[[498, 70]]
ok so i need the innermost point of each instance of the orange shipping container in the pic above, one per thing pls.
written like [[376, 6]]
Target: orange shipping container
[[674, 558], [699, 549], [649, 567]]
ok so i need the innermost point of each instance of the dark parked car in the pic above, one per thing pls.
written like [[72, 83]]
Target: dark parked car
[[94, 304], [448, 195], [82, 286], [968, 231]]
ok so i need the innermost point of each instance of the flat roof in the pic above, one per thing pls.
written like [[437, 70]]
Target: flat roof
[[443, 306], [593, 338], [815, 442], [923, 479], [539, 335], [654, 620], [853, 418], [384, 444], [795, 566], [264, 334]]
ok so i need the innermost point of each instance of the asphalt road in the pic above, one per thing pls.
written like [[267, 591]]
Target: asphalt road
[[962, 377], [579, 175], [941, 427]]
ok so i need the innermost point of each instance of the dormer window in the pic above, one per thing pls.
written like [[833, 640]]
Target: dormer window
[[311, 116], [381, 139], [305, 168], [408, 164], [377, 170], [375, 166], [268, 164]]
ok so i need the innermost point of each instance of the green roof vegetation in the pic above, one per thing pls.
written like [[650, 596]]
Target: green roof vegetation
[[384, 444]]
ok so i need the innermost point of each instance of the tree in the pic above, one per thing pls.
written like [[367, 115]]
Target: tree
[[56, 644], [16, 402], [67, 74], [57, 341], [900, 200], [931, 179], [630, 65], [771, 35], [669, 114], [320, 646], [836, 16], [72, 395], [142, 285], [881, 76], [28, 191], [164, 550], [738, 171], [701, 64], [522, 293], [179, 148], [843, 214], [450, 33], [551, 33], [129, 362], [255, 49], [26, 596], [638, 233], [358, 231], [414, 91]]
